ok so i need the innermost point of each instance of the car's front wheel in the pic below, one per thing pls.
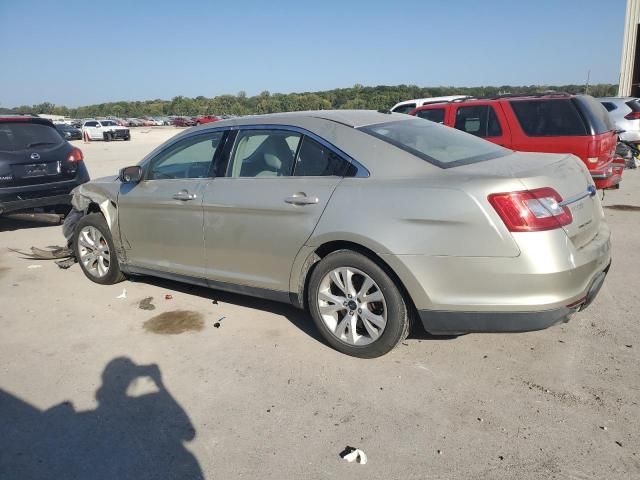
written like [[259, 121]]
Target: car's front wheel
[[95, 251], [356, 305]]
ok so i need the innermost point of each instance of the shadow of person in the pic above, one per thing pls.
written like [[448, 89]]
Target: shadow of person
[[126, 437]]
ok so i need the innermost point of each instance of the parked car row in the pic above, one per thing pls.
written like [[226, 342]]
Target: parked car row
[[547, 122]]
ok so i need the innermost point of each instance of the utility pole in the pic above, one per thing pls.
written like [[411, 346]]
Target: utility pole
[[586, 87]]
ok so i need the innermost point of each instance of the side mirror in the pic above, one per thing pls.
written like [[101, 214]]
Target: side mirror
[[130, 174]]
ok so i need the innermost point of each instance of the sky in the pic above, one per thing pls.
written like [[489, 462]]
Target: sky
[[74, 53]]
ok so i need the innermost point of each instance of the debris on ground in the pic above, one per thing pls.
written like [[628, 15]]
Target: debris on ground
[[439, 452], [618, 443], [352, 454], [168, 296], [66, 263], [218, 324], [145, 304], [53, 253], [123, 294], [629, 346], [31, 267], [215, 302]]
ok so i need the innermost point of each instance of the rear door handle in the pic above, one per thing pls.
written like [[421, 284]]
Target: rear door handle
[[184, 195], [301, 198]]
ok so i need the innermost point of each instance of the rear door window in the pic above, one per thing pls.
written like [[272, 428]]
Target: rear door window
[[549, 118], [20, 136], [433, 114], [316, 160], [478, 120]]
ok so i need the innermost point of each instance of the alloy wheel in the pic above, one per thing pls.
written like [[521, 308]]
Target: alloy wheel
[[352, 306], [94, 251]]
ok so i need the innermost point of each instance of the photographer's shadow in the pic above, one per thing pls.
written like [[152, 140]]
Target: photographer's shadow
[[126, 437]]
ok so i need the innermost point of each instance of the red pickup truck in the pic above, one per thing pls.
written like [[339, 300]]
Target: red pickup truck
[[553, 123]]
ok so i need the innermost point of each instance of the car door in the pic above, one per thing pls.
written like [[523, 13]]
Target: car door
[[161, 217], [261, 212], [91, 128], [482, 120]]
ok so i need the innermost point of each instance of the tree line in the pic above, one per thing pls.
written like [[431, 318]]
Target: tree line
[[356, 97]]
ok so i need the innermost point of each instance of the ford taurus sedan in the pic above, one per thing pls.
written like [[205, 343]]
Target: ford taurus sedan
[[367, 220]]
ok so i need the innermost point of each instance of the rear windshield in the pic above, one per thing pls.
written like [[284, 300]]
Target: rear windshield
[[19, 136], [442, 146], [549, 118]]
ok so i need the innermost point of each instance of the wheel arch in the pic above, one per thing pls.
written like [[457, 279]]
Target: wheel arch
[[328, 247]]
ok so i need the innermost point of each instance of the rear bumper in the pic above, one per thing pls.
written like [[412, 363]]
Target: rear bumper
[[7, 207], [44, 195], [439, 322]]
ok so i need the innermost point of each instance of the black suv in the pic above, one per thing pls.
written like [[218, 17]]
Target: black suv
[[38, 167]]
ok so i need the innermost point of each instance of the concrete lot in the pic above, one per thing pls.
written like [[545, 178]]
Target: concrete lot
[[262, 397]]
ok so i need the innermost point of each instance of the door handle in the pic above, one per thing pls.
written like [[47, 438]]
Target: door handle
[[301, 198], [184, 195]]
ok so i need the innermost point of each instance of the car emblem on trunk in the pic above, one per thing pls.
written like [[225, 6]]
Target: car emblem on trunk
[[35, 156]]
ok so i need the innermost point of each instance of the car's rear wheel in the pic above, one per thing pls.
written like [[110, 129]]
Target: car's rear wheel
[[95, 251], [356, 305]]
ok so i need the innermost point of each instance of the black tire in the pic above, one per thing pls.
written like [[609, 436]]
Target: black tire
[[398, 317], [97, 221], [127, 138]]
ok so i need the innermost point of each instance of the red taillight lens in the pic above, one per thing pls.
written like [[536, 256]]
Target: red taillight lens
[[632, 116], [75, 155], [531, 210]]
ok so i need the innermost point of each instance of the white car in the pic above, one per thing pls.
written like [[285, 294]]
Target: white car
[[408, 105], [106, 130]]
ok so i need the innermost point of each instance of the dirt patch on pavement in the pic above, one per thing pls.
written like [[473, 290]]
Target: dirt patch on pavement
[[624, 208], [175, 322], [145, 304]]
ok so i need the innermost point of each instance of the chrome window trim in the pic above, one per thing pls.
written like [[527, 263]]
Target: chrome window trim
[[361, 171]]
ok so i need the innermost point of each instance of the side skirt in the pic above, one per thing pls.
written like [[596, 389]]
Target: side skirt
[[275, 295]]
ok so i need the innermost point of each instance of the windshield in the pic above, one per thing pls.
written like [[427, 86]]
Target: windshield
[[442, 146], [19, 136]]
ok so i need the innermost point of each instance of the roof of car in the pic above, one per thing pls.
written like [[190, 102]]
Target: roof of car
[[25, 118], [350, 118]]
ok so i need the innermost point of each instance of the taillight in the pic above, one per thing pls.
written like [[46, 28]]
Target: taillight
[[632, 116], [531, 210], [75, 155]]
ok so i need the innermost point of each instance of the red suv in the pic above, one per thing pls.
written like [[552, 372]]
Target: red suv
[[552, 123], [206, 119]]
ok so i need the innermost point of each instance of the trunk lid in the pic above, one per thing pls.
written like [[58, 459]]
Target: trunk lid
[[566, 174]]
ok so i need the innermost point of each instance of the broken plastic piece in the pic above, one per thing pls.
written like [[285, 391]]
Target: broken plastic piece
[[351, 454], [66, 263], [123, 294]]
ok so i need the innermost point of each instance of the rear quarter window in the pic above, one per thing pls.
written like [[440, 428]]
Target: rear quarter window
[[596, 116], [433, 114], [550, 118]]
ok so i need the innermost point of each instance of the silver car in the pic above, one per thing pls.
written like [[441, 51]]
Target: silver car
[[368, 220], [625, 113]]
